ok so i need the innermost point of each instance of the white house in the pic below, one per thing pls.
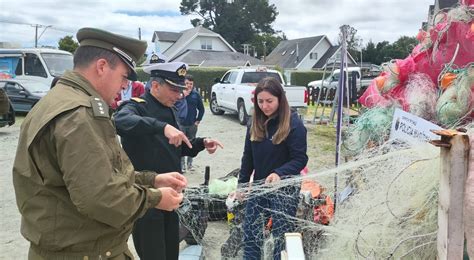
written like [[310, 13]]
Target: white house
[[305, 54], [199, 47], [434, 10]]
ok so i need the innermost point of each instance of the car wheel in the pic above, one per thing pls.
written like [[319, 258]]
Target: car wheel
[[214, 107], [243, 116]]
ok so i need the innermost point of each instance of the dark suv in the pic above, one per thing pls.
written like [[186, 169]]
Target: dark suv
[[7, 114]]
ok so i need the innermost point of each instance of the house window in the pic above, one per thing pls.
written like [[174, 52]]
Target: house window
[[313, 56], [206, 44]]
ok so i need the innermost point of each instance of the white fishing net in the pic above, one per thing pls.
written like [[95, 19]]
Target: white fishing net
[[386, 208]]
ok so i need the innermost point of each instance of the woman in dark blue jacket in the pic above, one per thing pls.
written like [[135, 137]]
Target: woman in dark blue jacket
[[275, 149]]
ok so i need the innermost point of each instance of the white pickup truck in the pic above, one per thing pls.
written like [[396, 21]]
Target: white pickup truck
[[234, 92], [332, 79]]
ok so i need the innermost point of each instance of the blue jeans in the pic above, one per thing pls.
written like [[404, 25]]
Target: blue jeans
[[190, 132], [280, 205]]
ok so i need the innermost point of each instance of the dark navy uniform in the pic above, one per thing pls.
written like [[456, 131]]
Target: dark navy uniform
[[140, 122]]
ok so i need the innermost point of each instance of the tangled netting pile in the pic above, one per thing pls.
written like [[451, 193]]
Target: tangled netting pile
[[387, 193], [435, 82], [388, 209]]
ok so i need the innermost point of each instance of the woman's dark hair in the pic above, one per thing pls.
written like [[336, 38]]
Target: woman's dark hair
[[259, 119]]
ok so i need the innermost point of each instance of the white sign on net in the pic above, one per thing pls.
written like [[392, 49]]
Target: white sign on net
[[410, 128]]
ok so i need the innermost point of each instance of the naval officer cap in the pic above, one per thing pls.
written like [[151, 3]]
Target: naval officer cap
[[171, 72], [129, 50]]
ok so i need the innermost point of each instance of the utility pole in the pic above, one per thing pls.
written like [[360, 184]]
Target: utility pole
[[36, 32], [139, 33], [297, 53], [264, 49], [36, 36]]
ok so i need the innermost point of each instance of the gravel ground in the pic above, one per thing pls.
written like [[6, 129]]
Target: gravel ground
[[12, 244], [224, 128]]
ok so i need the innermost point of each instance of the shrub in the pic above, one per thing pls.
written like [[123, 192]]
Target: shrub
[[302, 78], [203, 78]]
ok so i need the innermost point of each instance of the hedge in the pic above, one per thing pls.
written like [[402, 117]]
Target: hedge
[[300, 78], [203, 77]]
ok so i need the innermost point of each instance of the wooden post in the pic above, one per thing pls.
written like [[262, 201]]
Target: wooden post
[[454, 166]]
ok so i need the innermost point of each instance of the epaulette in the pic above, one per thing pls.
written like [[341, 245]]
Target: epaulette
[[99, 108], [138, 100]]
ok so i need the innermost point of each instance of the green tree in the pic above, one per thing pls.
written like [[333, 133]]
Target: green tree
[[67, 43], [403, 46], [385, 51], [369, 53], [265, 43], [238, 21]]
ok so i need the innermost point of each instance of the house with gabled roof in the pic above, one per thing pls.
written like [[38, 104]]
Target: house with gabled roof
[[435, 8], [199, 46], [305, 54]]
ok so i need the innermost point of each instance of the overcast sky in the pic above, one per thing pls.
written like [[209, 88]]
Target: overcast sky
[[375, 20]]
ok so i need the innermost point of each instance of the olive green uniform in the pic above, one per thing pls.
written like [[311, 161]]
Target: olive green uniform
[[76, 189]]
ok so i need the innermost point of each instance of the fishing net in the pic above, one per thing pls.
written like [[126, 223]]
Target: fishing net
[[421, 95], [456, 103], [448, 43], [371, 128], [387, 206], [387, 191]]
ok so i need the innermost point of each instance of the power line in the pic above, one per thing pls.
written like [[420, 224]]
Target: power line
[[36, 29], [52, 27]]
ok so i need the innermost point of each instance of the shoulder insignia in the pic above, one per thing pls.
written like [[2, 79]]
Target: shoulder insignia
[[138, 100], [99, 108]]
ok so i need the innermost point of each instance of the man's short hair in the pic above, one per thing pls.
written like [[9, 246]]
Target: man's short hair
[[158, 79], [189, 78], [85, 55]]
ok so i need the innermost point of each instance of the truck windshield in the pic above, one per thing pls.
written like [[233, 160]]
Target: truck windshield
[[255, 77], [57, 63]]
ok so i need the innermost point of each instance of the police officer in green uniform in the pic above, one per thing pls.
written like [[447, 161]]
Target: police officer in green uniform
[[75, 187], [139, 122]]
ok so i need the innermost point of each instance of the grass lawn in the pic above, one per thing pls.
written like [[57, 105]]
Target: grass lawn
[[322, 137], [321, 141]]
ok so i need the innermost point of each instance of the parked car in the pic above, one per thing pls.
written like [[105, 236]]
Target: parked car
[[7, 114], [39, 64], [234, 92], [24, 93]]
